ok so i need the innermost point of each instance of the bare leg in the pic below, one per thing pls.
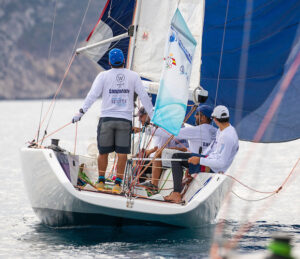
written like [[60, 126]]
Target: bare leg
[[122, 158], [102, 164], [156, 172]]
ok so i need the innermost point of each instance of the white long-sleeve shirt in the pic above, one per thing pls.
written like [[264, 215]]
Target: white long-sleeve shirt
[[116, 87], [222, 151], [197, 136]]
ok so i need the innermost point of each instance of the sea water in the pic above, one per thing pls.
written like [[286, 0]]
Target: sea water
[[262, 166]]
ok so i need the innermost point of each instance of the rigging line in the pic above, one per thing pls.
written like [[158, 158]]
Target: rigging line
[[81, 25], [47, 136], [109, 16], [177, 141], [48, 60], [273, 108], [221, 56], [162, 148], [248, 187], [250, 200], [72, 54], [117, 23], [38, 133], [51, 38], [141, 162], [244, 228], [57, 91]]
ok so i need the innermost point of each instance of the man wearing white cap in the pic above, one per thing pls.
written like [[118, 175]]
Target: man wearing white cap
[[221, 152]]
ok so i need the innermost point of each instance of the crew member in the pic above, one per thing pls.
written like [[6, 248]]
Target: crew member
[[217, 157], [175, 145], [116, 87]]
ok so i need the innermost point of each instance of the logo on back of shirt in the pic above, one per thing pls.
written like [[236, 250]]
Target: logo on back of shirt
[[120, 78]]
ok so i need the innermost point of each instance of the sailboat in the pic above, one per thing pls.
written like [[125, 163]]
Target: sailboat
[[51, 174]]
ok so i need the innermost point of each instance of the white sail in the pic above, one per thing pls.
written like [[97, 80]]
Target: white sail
[[153, 26]]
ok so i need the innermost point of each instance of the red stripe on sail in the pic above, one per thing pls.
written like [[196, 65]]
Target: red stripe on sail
[[103, 11]]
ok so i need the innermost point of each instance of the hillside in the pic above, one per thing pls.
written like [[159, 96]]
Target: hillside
[[25, 33]]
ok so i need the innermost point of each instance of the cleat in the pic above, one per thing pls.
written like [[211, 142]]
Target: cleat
[[117, 189]]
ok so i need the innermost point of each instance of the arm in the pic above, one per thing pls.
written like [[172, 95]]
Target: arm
[[158, 132], [150, 151], [140, 90], [223, 156], [94, 93], [183, 149], [189, 133]]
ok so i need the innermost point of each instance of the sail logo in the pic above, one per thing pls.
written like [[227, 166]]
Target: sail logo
[[188, 56], [170, 61], [173, 37], [145, 35], [183, 72]]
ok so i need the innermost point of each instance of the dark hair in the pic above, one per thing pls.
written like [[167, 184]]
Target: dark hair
[[222, 120], [118, 65], [209, 119]]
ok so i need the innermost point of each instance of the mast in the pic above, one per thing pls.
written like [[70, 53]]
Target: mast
[[133, 39]]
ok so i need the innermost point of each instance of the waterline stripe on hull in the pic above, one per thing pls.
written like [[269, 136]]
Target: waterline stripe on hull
[[59, 218]]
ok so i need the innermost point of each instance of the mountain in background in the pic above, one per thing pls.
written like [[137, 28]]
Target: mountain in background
[[25, 31]]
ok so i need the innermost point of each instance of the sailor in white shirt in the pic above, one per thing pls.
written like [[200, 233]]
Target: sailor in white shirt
[[116, 87], [219, 155], [199, 138], [159, 140]]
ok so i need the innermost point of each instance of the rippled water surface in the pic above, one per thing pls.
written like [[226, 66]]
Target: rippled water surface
[[263, 166]]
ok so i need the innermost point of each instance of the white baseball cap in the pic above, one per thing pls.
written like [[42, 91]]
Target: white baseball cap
[[220, 112]]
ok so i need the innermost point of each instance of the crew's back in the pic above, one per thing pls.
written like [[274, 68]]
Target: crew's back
[[116, 87]]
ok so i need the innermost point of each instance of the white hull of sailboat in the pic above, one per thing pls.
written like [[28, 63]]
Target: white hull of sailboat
[[58, 203]]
